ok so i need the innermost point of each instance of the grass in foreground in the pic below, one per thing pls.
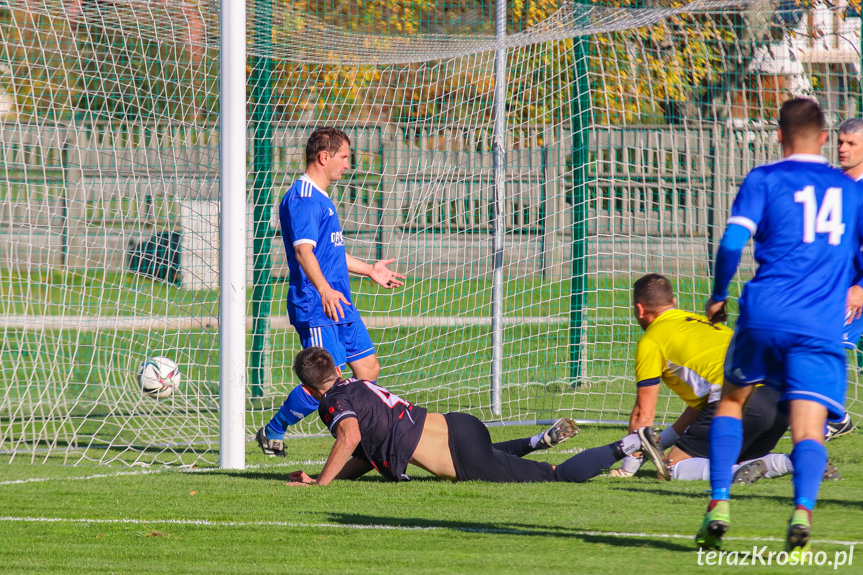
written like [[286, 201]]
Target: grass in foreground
[[139, 520]]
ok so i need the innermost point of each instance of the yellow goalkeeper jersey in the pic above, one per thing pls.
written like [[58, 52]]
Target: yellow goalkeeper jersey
[[685, 351]]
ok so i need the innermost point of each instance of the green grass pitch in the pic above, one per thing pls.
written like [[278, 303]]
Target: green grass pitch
[[85, 519], [56, 518]]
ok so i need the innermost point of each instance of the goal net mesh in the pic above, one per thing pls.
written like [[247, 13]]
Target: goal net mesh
[[627, 132]]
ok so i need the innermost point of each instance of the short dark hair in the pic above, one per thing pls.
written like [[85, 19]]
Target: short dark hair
[[800, 117], [315, 367], [325, 140], [851, 126], [653, 291]]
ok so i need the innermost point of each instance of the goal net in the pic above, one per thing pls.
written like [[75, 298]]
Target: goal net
[[627, 130]]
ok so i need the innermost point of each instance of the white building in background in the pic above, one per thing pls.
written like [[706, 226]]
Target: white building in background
[[7, 102], [820, 57]]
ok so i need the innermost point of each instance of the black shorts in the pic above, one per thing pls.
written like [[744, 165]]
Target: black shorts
[[475, 458], [764, 423]]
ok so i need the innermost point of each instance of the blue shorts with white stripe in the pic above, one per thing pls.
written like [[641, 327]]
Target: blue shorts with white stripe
[[346, 342], [799, 366]]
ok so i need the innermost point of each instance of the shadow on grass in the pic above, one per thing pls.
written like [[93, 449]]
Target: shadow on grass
[[621, 540], [736, 494], [370, 477]]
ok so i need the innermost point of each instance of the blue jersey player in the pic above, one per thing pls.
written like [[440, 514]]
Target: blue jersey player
[[804, 217], [851, 160], [319, 295]]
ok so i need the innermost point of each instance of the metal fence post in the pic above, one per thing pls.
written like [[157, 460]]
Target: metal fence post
[[580, 143], [262, 190]]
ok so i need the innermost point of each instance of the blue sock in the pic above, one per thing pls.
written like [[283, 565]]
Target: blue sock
[[726, 440], [298, 405], [809, 459]]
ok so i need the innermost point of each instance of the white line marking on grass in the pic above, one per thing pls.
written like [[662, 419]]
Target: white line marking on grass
[[572, 450], [157, 470], [209, 523], [383, 527], [98, 476], [288, 464]]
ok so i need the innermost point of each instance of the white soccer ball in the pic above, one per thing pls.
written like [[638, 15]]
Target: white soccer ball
[[159, 377]]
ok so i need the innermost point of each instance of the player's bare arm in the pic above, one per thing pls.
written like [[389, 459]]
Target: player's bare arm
[[348, 437], [353, 469], [433, 452], [377, 271], [855, 302], [676, 455], [685, 420], [715, 311], [644, 411], [643, 414], [331, 299]]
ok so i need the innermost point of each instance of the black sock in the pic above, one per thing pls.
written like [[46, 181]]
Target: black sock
[[582, 466]]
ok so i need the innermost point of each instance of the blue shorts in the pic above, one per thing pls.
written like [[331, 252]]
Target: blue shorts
[[853, 332], [801, 367], [346, 342]]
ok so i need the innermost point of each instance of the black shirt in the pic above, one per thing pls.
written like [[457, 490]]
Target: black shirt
[[390, 426]]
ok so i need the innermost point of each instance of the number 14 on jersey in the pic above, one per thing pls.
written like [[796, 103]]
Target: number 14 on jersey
[[826, 219]]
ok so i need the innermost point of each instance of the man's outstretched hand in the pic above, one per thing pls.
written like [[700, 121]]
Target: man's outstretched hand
[[855, 303], [384, 276], [299, 478], [715, 311]]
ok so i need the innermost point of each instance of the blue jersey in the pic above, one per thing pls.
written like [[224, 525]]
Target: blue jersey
[[804, 217], [308, 216], [858, 254], [854, 327]]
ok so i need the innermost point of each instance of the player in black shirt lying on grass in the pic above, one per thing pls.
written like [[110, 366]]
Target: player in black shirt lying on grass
[[376, 429]]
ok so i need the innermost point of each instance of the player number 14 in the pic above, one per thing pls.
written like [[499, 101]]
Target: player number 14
[[827, 220]]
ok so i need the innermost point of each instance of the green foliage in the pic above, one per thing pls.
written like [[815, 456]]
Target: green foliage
[[113, 60], [651, 66], [402, 17], [33, 64], [129, 70], [109, 60]]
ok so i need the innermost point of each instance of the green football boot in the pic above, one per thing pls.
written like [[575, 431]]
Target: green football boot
[[799, 526], [714, 526]]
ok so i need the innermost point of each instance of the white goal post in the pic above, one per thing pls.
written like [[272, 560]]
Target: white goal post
[[523, 166], [232, 229]]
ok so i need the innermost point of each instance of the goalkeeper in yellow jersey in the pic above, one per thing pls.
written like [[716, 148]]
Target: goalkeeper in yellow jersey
[[687, 352]]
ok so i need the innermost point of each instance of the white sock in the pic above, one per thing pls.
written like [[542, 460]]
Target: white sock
[[778, 464], [630, 444], [691, 469], [534, 441], [631, 464]]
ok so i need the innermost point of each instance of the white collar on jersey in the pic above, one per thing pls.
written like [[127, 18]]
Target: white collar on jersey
[[306, 178], [814, 158]]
